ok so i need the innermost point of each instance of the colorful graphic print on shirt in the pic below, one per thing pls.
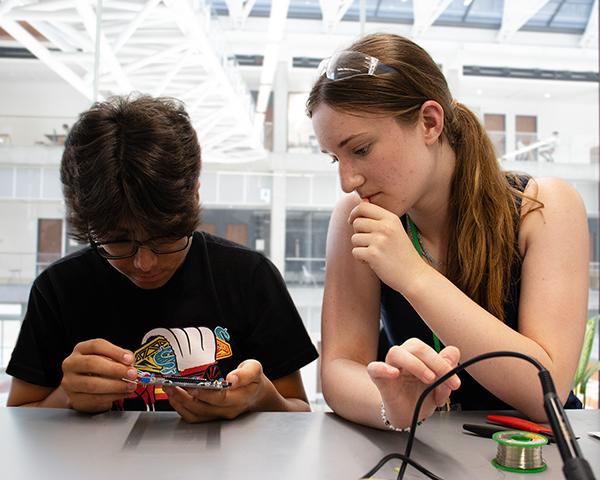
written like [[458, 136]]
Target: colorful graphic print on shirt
[[190, 351]]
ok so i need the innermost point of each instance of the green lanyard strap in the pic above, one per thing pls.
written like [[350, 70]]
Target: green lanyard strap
[[412, 233]]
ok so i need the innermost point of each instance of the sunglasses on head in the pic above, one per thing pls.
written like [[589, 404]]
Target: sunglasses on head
[[348, 64]]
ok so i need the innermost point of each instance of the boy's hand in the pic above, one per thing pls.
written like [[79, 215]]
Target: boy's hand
[[92, 375], [250, 389]]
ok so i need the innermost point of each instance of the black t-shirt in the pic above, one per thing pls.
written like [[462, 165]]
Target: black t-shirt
[[225, 304]]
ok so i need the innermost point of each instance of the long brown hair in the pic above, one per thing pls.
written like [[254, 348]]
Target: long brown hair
[[484, 213]]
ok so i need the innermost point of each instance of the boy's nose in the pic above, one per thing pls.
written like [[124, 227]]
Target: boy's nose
[[145, 259]]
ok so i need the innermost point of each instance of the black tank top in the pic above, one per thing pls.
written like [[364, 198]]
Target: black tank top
[[400, 322]]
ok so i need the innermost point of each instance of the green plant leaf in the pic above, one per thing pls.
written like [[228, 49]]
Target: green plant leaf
[[589, 373], [586, 350]]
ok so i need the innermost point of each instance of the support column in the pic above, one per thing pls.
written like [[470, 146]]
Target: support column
[[278, 198]]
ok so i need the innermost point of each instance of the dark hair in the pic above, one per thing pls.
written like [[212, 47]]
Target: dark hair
[[132, 163], [483, 205]]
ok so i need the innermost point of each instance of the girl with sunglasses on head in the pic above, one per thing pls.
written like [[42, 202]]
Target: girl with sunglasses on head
[[450, 255]]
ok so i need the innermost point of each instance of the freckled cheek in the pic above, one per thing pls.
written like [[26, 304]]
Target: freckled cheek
[[397, 174]]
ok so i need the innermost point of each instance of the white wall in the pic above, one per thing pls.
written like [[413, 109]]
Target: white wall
[[575, 119], [18, 236], [35, 101]]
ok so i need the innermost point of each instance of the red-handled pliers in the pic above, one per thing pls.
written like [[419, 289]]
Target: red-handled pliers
[[519, 424]]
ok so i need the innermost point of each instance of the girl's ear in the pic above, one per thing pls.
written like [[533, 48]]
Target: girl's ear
[[432, 118]]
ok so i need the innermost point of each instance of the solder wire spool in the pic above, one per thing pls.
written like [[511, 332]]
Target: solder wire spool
[[519, 452]]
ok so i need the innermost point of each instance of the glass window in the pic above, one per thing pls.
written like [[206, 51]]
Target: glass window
[[231, 189], [298, 190], [301, 138], [51, 184], [28, 182], [525, 135], [251, 228], [259, 189], [305, 239], [208, 187], [6, 182], [495, 124], [9, 331], [325, 189], [49, 247]]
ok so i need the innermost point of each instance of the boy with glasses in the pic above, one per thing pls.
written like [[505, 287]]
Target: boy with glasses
[[151, 295]]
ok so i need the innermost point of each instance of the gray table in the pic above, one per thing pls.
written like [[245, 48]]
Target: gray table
[[53, 444]]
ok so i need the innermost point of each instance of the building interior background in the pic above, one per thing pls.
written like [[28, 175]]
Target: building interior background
[[528, 68]]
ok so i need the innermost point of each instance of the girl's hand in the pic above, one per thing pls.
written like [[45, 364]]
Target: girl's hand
[[408, 369], [380, 240]]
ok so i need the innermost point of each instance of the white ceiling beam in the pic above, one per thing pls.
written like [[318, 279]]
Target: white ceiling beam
[[198, 94], [589, 39], [157, 57], [192, 27], [40, 51], [81, 59], [159, 39], [425, 13], [83, 42], [8, 6], [333, 11], [173, 72], [208, 123], [515, 14], [89, 21], [217, 139], [121, 5], [54, 36], [239, 11], [27, 15], [232, 144], [167, 47], [214, 156], [49, 5], [275, 31], [134, 24]]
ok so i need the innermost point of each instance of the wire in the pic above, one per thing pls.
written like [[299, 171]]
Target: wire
[[413, 427], [409, 460], [443, 378]]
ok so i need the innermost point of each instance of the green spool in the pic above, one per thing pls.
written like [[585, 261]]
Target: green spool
[[519, 452]]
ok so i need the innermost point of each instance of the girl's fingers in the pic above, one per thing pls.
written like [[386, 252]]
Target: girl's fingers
[[424, 362], [365, 225], [441, 394], [418, 364], [368, 211], [452, 356], [382, 370], [361, 239]]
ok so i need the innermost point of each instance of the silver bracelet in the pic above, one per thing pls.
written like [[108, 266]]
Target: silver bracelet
[[389, 425]]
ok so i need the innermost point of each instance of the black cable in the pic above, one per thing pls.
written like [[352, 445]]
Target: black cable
[[442, 379], [575, 466], [414, 463]]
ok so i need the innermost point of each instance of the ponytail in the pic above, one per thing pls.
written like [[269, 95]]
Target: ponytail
[[482, 244]]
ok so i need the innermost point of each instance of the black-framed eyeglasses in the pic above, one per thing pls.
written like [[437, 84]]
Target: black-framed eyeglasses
[[126, 248], [348, 64]]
